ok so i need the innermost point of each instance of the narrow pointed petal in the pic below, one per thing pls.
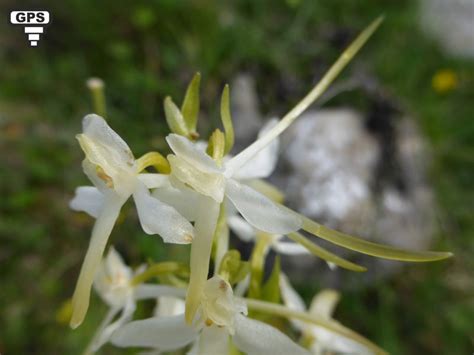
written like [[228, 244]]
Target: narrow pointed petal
[[159, 218], [370, 248], [87, 199], [257, 338], [289, 248], [165, 333], [188, 151], [263, 163], [324, 303], [206, 221], [100, 234], [260, 211], [325, 254], [346, 56], [213, 340], [153, 181]]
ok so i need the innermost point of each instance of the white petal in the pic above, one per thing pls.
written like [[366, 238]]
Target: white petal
[[263, 163], [87, 199], [169, 306], [157, 217], [241, 228], [289, 248], [179, 196], [213, 340], [209, 184], [165, 333], [152, 181], [145, 291], [257, 338], [260, 211], [186, 150]]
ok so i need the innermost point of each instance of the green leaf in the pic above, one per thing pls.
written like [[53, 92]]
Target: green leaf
[[370, 248], [325, 254], [271, 289], [227, 120], [190, 106], [174, 118]]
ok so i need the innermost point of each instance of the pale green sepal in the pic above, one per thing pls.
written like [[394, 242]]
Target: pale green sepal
[[190, 106], [371, 248], [227, 120], [174, 118], [324, 254]]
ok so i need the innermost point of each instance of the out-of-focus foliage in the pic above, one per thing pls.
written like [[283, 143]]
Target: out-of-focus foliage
[[147, 50]]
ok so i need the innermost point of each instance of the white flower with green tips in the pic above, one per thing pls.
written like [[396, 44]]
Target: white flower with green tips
[[114, 282], [220, 317], [110, 165], [320, 339]]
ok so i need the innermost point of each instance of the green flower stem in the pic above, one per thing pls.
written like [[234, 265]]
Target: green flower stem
[[158, 270], [221, 238], [257, 264], [96, 87]]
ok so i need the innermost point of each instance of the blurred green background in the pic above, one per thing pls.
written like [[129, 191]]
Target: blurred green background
[[145, 50]]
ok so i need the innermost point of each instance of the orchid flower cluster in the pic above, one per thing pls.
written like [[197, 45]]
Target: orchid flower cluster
[[196, 195]]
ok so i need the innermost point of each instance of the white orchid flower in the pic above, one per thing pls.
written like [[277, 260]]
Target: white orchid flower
[[113, 283], [193, 167], [217, 181], [220, 316], [321, 339], [111, 167]]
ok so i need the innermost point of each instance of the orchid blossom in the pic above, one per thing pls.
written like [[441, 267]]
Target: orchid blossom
[[217, 180], [114, 282], [320, 339], [220, 316], [111, 167]]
